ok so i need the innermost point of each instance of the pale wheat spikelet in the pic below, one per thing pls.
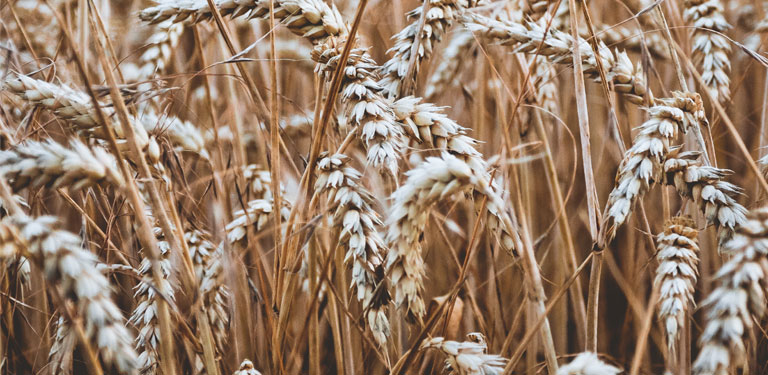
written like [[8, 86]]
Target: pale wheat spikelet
[[642, 166], [440, 16], [365, 104], [359, 223], [259, 181], [54, 165], [61, 354], [184, 135], [207, 261], [246, 368], [66, 264], [159, 49], [468, 357], [65, 102], [460, 44], [627, 77], [312, 19], [740, 293], [144, 315], [678, 257], [706, 186], [710, 49], [587, 363], [433, 180], [427, 124], [71, 105], [257, 214]]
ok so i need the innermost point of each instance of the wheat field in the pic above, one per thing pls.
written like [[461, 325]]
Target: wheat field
[[466, 187]]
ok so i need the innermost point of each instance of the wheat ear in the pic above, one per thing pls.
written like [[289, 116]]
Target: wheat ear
[[366, 106], [145, 316], [439, 16], [50, 164], [460, 44], [678, 257], [468, 357], [704, 184], [209, 270], [642, 165], [359, 223], [740, 293], [312, 19], [710, 47], [556, 45], [73, 269]]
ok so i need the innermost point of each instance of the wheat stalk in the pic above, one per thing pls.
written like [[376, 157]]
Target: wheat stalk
[[740, 293], [73, 269], [710, 47], [359, 223], [468, 357], [678, 257], [642, 165], [705, 185]]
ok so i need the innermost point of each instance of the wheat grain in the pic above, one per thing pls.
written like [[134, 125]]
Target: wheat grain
[[468, 357], [359, 223], [740, 293], [678, 257], [460, 44], [705, 185], [710, 47]]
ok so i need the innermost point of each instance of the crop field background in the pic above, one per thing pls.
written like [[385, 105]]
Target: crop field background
[[383, 187]]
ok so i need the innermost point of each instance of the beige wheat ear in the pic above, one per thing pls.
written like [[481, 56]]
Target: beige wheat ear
[[587, 363], [65, 263], [359, 223], [715, 197], [710, 47], [440, 15], [643, 163], [740, 293], [678, 257], [468, 357], [365, 105]]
